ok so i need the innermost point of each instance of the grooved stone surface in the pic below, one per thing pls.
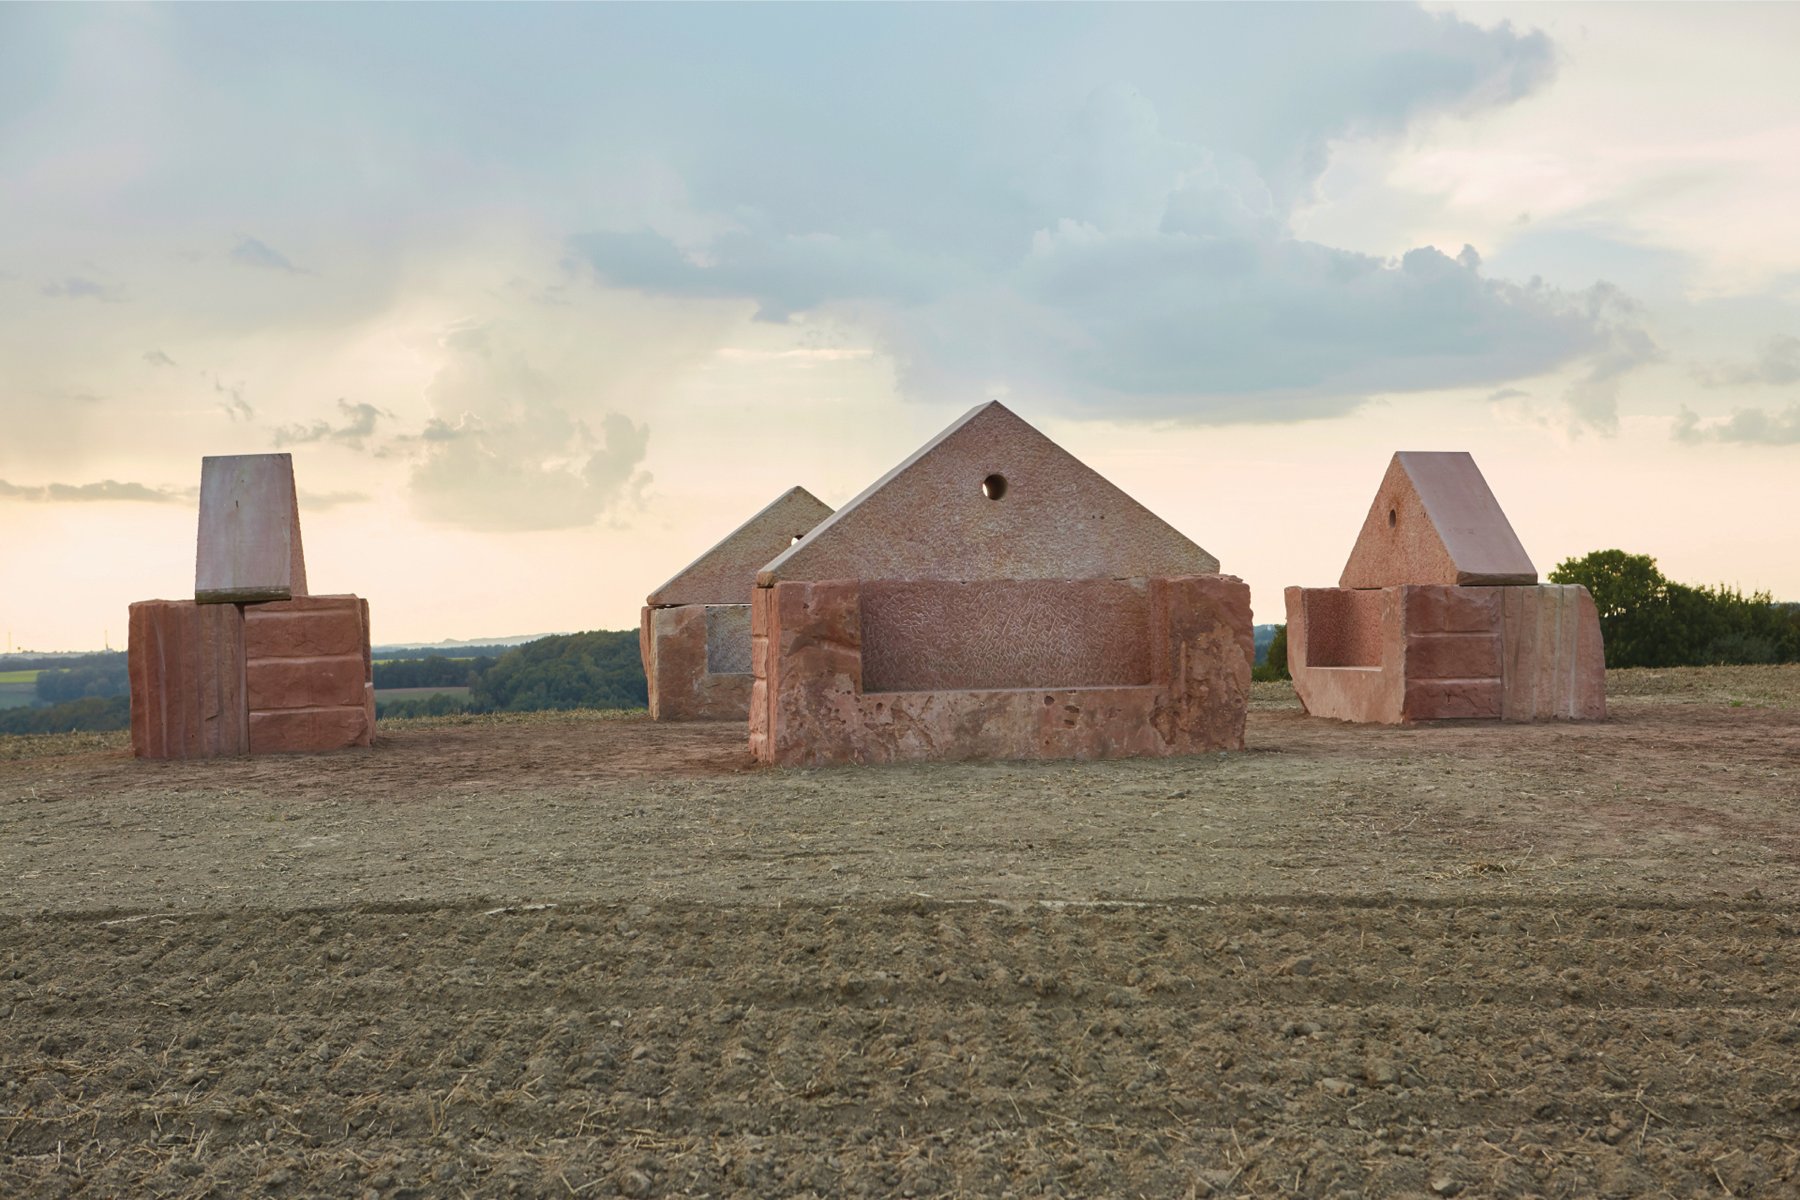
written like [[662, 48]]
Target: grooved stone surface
[[726, 573], [1555, 658], [309, 678], [933, 635], [249, 542], [928, 518], [809, 705], [186, 663], [1434, 520]]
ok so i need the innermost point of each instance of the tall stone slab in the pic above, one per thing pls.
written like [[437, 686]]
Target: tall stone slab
[[249, 543], [1434, 520], [991, 498], [694, 635], [187, 680]]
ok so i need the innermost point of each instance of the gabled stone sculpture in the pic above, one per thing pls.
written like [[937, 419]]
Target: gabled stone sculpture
[[252, 665], [1440, 615], [694, 635], [993, 597]]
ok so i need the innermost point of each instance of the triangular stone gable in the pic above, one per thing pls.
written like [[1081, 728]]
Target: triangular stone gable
[[726, 573], [1434, 520], [249, 544], [991, 498]]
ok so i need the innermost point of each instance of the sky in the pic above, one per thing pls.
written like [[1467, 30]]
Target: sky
[[544, 300]]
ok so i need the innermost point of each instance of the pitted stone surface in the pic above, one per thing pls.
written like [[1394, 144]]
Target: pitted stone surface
[[936, 635], [991, 498], [728, 638], [726, 573], [1343, 627], [249, 542], [186, 662], [1434, 520]]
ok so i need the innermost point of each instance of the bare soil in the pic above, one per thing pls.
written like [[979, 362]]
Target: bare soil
[[579, 955]]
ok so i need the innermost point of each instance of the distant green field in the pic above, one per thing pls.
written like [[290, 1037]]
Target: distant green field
[[18, 676], [16, 694], [407, 693]]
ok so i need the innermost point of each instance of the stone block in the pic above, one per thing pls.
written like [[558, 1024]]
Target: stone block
[[308, 627], [249, 541], [1372, 692], [186, 664], [1441, 608], [728, 638], [1447, 699], [280, 683], [1344, 628], [1434, 520], [677, 645], [1555, 657], [938, 635], [312, 730]]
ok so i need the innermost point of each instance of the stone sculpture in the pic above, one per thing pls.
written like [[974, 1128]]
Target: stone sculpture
[[694, 634], [1439, 614], [993, 597], [253, 664]]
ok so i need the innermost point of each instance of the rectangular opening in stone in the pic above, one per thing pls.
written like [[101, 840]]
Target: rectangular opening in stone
[[728, 639], [1343, 627], [939, 635]]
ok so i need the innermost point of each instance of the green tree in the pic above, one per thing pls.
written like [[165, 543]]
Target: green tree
[[1275, 666], [578, 670]]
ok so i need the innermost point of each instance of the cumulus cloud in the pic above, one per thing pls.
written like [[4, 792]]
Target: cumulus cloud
[[357, 428], [251, 252], [1777, 364], [506, 450], [1125, 250], [1745, 427], [234, 405], [105, 489], [157, 358]]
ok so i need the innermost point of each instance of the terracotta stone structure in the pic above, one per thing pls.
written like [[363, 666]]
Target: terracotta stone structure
[[694, 635], [992, 597], [252, 665], [1439, 614]]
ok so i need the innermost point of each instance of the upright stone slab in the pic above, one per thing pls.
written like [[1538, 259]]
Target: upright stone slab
[[991, 498], [249, 544], [695, 632], [1434, 520], [187, 680]]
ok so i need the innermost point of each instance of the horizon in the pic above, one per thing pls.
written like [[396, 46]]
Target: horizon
[[545, 301]]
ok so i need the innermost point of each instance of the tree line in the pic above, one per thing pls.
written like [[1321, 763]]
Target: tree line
[[598, 669]]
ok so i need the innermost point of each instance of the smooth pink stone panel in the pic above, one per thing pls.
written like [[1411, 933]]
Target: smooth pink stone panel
[[186, 663], [249, 542]]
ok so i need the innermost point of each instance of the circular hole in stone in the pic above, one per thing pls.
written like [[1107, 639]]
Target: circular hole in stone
[[793, 539], [994, 487], [1392, 517]]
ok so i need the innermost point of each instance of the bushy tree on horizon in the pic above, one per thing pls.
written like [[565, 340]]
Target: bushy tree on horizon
[[1650, 621]]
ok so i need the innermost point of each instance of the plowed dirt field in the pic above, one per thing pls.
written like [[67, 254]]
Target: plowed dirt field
[[573, 955]]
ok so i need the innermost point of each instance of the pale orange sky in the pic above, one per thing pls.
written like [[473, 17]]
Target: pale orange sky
[[530, 367]]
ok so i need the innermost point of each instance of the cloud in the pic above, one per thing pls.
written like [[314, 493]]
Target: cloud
[[76, 288], [1777, 364], [1505, 394], [512, 455], [1124, 251], [250, 252], [106, 489], [157, 358], [358, 427], [234, 405], [1745, 427]]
